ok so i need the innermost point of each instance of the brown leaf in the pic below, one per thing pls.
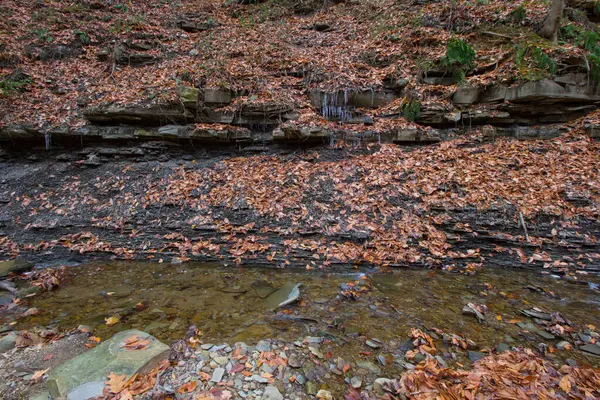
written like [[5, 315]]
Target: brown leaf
[[39, 374], [187, 387], [116, 383]]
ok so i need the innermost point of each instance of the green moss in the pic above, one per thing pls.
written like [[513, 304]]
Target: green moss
[[411, 110]]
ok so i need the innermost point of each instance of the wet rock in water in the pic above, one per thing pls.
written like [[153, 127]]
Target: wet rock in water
[[475, 355], [294, 361], [5, 299], [315, 352], [468, 310], [528, 326], [217, 375], [381, 383], [86, 373], [369, 366], [502, 347], [272, 393], [562, 345], [8, 342], [356, 382], [311, 388], [585, 338], [592, 349], [374, 343], [263, 288], [8, 286], [537, 314], [545, 335], [16, 266], [287, 294]]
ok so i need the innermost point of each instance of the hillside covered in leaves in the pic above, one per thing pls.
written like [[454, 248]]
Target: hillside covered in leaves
[[241, 66]]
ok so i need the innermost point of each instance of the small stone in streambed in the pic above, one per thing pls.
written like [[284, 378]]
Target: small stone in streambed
[[368, 365], [562, 345], [592, 349], [356, 382], [546, 335], [502, 347], [373, 344], [585, 338], [217, 375], [311, 388], [259, 379], [475, 356], [315, 352], [324, 395], [271, 393], [537, 314], [263, 345], [294, 362]]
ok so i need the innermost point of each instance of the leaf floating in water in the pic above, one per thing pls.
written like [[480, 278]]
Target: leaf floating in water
[[110, 321]]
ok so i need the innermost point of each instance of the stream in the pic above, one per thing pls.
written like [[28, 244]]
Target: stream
[[358, 310]]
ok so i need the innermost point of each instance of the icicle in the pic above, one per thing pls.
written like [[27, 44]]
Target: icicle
[[48, 137], [331, 140]]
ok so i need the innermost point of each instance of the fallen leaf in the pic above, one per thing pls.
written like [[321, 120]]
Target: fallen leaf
[[116, 383], [187, 387], [39, 374], [110, 321]]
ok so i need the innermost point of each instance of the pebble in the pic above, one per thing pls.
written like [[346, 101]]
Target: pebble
[[294, 362], [315, 351], [562, 345], [263, 345], [272, 393], [221, 360], [373, 344], [217, 375], [206, 346], [259, 379], [368, 365], [324, 395], [356, 382]]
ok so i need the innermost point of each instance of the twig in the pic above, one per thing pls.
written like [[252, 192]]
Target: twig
[[524, 226]]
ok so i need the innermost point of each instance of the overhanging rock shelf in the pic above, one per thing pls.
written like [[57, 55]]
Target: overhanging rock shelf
[[527, 110]]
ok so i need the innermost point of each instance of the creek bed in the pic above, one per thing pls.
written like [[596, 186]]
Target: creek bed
[[231, 304]]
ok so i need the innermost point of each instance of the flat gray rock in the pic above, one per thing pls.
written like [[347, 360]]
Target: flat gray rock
[[272, 393], [84, 374], [592, 349], [8, 342]]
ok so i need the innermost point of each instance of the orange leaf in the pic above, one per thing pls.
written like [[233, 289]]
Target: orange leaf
[[187, 387], [38, 374]]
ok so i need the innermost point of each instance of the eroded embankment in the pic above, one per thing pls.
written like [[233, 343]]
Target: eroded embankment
[[457, 204]]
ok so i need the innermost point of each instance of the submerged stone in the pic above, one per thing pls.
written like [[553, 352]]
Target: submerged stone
[[16, 266], [85, 375], [263, 288], [287, 294]]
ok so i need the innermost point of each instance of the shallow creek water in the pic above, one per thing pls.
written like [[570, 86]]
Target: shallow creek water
[[227, 305]]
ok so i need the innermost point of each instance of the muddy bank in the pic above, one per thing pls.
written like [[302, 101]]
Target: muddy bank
[[454, 205]]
